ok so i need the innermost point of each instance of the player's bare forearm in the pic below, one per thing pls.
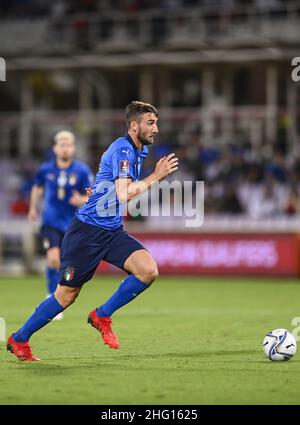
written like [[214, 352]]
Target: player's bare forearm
[[128, 190], [135, 189], [35, 197]]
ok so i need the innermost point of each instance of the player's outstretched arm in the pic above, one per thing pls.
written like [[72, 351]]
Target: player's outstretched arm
[[127, 189], [36, 194]]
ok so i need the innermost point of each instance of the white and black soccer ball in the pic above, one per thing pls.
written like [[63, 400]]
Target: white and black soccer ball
[[279, 345]]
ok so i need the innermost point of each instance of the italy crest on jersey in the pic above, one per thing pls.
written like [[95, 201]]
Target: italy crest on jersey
[[50, 176]]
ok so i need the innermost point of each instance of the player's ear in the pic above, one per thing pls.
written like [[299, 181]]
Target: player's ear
[[134, 126]]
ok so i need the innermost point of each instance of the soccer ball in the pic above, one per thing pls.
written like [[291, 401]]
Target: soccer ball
[[279, 345]]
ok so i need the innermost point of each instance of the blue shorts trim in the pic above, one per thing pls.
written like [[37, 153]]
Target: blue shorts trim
[[51, 237], [85, 246]]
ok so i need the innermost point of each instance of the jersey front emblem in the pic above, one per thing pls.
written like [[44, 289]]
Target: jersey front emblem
[[62, 179], [50, 177]]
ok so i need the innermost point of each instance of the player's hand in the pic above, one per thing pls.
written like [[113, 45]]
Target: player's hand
[[33, 215], [166, 165], [77, 200], [89, 192]]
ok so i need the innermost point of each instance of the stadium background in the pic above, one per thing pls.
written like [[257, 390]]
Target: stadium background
[[220, 73]]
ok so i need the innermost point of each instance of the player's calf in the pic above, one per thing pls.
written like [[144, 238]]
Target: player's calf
[[52, 270], [42, 315]]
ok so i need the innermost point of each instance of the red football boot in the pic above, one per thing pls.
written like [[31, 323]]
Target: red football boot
[[103, 324], [21, 349]]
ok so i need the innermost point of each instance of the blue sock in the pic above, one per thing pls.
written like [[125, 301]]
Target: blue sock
[[42, 315], [127, 291], [52, 279]]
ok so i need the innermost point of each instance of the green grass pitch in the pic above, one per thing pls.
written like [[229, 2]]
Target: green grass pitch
[[184, 341]]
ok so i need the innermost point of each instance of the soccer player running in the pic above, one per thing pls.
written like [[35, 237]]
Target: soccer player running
[[62, 184], [96, 233]]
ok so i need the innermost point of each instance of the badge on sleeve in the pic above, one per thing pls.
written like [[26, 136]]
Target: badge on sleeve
[[124, 166]]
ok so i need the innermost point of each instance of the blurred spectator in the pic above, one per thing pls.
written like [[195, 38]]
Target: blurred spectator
[[19, 206], [230, 203], [277, 167], [291, 205], [264, 5], [266, 204]]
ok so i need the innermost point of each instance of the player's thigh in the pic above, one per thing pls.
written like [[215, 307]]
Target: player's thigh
[[51, 237], [53, 257], [52, 240], [142, 264], [129, 254], [82, 250], [121, 247]]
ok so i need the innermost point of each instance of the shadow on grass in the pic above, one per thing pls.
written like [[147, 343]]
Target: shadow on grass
[[199, 354], [188, 361], [185, 360]]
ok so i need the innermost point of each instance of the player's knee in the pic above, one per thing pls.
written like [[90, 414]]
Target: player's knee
[[66, 296], [66, 300], [150, 273], [54, 263], [53, 260]]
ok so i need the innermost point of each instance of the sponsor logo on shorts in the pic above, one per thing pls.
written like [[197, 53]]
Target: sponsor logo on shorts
[[69, 273], [124, 166]]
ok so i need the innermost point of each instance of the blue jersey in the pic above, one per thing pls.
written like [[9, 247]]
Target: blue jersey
[[121, 160], [59, 184]]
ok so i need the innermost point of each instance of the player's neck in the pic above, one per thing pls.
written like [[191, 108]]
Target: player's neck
[[135, 140], [63, 164]]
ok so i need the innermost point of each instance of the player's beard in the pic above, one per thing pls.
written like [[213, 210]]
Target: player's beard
[[66, 158], [144, 140]]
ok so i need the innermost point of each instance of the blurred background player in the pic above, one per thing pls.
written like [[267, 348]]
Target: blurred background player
[[62, 184]]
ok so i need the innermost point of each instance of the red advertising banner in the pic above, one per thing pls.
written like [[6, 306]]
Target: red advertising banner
[[223, 254]]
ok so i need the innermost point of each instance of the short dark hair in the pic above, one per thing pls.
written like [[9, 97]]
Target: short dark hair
[[135, 109]]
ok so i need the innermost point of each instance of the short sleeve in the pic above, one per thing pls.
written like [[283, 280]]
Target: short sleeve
[[40, 177], [123, 161]]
